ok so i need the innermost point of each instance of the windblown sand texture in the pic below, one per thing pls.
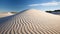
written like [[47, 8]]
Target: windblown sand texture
[[31, 22]]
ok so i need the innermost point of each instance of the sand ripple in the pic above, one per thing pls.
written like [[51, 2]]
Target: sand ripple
[[30, 23]]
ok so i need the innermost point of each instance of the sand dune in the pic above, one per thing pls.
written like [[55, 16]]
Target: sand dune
[[31, 22], [5, 14]]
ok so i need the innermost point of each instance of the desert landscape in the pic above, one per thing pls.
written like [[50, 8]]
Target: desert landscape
[[5, 14], [30, 21]]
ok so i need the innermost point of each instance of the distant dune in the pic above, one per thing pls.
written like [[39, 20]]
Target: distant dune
[[56, 12], [31, 22], [4, 14]]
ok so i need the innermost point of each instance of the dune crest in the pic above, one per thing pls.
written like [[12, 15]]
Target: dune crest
[[31, 22]]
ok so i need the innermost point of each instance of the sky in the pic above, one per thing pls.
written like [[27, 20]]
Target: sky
[[20, 5]]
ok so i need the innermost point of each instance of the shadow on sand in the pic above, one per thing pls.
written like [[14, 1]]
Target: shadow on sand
[[2, 20], [5, 18]]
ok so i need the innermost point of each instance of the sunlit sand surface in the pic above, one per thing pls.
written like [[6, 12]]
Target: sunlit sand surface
[[4, 14], [31, 22]]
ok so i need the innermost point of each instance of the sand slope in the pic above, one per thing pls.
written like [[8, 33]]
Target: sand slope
[[31, 22], [5, 14]]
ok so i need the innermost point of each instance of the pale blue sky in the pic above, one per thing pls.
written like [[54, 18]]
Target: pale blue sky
[[19, 5]]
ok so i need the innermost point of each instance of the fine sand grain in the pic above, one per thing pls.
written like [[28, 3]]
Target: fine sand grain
[[31, 22]]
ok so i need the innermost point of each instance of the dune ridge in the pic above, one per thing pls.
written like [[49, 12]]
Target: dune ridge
[[31, 22]]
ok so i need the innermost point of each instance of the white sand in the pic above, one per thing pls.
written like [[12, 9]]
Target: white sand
[[5, 14], [31, 22]]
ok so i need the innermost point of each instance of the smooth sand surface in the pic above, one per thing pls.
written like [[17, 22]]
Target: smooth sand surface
[[31, 22], [4, 14]]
